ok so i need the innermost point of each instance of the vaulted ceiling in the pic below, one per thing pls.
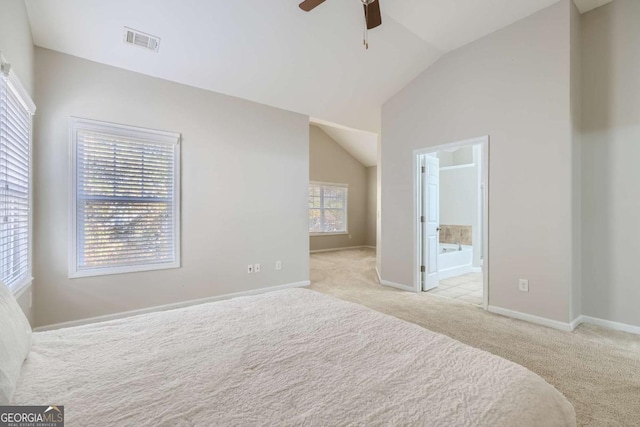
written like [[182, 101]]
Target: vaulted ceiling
[[271, 52]]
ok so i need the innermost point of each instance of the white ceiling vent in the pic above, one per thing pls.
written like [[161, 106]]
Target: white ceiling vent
[[141, 39]]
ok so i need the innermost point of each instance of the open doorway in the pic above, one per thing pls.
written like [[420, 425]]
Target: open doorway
[[343, 189], [452, 220]]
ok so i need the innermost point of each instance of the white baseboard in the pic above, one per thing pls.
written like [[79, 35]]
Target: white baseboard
[[576, 322], [370, 247], [317, 251], [170, 306], [607, 324], [476, 269], [397, 285], [393, 284], [617, 326], [531, 318]]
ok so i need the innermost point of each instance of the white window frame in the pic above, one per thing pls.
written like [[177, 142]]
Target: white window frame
[[18, 89], [346, 209], [156, 136]]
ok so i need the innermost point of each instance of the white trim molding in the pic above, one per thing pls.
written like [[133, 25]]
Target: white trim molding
[[173, 306], [318, 251], [22, 287], [567, 327], [555, 324], [397, 286], [575, 322], [14, 82], [616, 326]]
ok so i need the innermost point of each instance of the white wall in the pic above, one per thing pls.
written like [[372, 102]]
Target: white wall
[[329, 162], [513, 85], [458, 187], [16, 45], [245, 174], [372, 205], [611, 151], [458, 196]]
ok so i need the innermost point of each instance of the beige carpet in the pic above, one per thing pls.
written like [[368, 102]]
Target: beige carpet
[[597, 369]]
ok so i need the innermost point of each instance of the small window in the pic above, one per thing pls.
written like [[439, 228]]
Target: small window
[[327, 208], [16, 111], [125, 199]]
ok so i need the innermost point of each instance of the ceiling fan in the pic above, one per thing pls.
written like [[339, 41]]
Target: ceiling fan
[[372, 15]]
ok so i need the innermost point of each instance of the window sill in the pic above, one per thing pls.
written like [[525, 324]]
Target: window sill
[[337, 233], [105, 271], [22, 288]]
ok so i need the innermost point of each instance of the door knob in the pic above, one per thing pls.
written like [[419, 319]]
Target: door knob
[[439, 228]]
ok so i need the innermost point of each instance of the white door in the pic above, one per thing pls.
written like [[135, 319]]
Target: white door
[[430, 221]]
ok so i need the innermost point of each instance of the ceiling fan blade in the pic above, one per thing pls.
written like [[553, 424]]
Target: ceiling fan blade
[[309, 5], [373, 15]]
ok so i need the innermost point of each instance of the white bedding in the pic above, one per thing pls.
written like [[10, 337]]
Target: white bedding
[[284, 358]]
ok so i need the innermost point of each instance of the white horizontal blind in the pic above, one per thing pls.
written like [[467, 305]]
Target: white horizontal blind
[[126, 201], [327, 208], [15, 187]]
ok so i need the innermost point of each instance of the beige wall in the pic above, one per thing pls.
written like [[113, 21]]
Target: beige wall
[[16, 45], [245, 176], [611, 176], [372, 203], [514, 86], [576, 163], [329, 162]]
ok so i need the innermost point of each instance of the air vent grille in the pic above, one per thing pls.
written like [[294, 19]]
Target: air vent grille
[[140, 39]]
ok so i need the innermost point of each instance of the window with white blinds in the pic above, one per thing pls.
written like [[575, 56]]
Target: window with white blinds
[[327, 208], [126, 205], [16, 110]]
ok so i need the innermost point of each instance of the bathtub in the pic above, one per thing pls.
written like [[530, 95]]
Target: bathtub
[[453, 262]]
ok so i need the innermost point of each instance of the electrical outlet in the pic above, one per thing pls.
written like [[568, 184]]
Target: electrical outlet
[[278, 265], [523, 285], [256, 268], [250, 269]]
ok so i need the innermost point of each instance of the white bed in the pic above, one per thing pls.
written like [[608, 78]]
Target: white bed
[[292, 357]]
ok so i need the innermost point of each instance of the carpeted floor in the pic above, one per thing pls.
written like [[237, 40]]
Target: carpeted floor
[[597, 369]]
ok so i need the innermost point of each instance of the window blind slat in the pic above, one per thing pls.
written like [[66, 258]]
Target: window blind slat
[[18, 127], [15, 118], [15, 142], [13, 148]]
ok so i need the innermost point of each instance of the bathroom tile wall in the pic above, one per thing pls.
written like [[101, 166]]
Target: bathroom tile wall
[[455, 234]]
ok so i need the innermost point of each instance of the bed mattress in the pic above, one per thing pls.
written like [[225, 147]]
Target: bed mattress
[[293, 357]]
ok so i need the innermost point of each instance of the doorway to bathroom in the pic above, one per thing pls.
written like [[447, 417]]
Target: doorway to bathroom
[[451, 224]]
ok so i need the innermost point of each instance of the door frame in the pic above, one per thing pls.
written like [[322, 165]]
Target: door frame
[[483, 141]]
